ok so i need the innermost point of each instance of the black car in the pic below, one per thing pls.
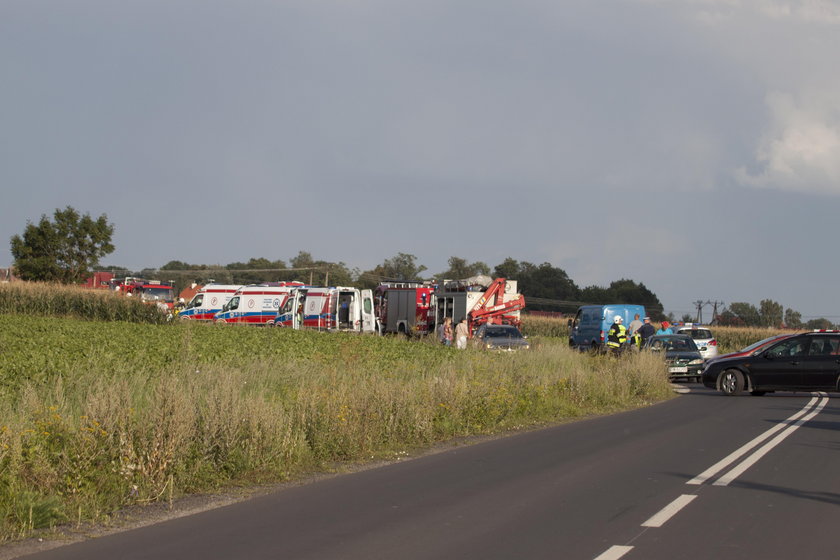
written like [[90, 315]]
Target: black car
[[681, 354], [501, 337], [803, 362]]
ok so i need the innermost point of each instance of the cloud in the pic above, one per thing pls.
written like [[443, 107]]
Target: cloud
[[800, 150], [713, 12], [811, 11]]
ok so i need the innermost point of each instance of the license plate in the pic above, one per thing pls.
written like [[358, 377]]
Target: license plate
[[679, 369]]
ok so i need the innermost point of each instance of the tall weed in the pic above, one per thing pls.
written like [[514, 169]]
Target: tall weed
[[100, 415]]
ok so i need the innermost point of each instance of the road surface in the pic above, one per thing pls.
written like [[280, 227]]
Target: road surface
[[701, 476]]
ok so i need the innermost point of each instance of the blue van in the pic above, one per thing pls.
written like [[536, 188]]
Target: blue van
[[588, 330]]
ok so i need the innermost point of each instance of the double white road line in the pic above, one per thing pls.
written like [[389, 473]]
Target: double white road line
[[778, 433]]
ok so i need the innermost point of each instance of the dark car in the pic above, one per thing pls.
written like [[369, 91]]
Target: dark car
[[681, 355], [801, 362], [501, 337], [753, 348]]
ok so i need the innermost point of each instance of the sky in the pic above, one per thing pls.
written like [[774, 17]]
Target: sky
[[690, 145]]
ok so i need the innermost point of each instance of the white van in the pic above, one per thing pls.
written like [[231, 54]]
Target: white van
[[256, 304], [329, 309], [208, 301]]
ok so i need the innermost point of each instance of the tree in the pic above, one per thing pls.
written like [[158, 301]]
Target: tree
[[626, 291], [793, 319], [746, 312], [508, 269], [772, 313], [65, 250], [459, 269], [400, 268], [545, 282], [251, 271], [819, 324], [319, 272], [727, 318]]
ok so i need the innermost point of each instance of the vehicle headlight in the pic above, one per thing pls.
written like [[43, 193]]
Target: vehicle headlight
[[696, 362]]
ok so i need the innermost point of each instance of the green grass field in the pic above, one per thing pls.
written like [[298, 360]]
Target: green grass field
[[99, 415], [105, 405]]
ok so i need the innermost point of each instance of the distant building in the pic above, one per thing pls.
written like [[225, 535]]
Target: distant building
[[7, 275], [188, 292]]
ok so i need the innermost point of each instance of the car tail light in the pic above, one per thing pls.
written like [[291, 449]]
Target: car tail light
[[712, 342]]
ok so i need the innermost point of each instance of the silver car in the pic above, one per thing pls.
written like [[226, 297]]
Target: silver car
[[501, 337], [703, 338]]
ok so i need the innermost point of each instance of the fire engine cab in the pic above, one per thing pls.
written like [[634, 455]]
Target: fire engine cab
[[148, 291]]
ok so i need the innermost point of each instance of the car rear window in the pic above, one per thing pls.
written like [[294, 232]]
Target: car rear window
[[697, 333]]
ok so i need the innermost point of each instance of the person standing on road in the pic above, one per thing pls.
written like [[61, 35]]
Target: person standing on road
[[461, 334], [617, 335]]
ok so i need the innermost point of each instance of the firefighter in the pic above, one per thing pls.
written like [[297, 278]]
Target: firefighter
[[616, 336]]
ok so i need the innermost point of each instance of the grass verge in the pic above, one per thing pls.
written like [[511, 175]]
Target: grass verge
[[97, 416]]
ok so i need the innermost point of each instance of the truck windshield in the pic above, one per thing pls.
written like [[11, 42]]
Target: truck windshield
[[196, 301], [158, 293], [232, 304]]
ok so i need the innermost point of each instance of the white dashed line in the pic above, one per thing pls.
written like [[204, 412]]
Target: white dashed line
[[669, 511], [614, 552], [814, 407]]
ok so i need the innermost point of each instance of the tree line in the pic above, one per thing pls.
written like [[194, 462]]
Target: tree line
[[769, 313], [68, 249]]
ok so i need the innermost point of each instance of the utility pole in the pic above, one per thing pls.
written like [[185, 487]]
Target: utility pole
[[715, 305], [699, 304]]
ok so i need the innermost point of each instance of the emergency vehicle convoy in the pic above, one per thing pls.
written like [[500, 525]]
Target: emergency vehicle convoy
[[402, 308], [208, 301], [256, 304]]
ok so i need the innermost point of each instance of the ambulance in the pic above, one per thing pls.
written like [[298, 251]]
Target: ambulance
[[208, 301], [256, 304], [328, 309]]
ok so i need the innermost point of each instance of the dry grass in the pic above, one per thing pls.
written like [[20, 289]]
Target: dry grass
[[218, 406], [33, 298]]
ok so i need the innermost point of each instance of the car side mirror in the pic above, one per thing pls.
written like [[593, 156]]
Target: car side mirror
[[570, 323]]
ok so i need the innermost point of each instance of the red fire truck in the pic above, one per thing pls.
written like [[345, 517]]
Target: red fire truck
[[149, 291], [405, 307], [416, 308]]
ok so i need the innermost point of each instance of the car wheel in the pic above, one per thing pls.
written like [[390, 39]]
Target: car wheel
[[731, 382]]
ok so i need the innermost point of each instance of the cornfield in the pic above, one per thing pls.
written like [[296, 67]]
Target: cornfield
[[55, 300]]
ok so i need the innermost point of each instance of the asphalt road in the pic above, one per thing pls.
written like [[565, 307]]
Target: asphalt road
[[624, 486]]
